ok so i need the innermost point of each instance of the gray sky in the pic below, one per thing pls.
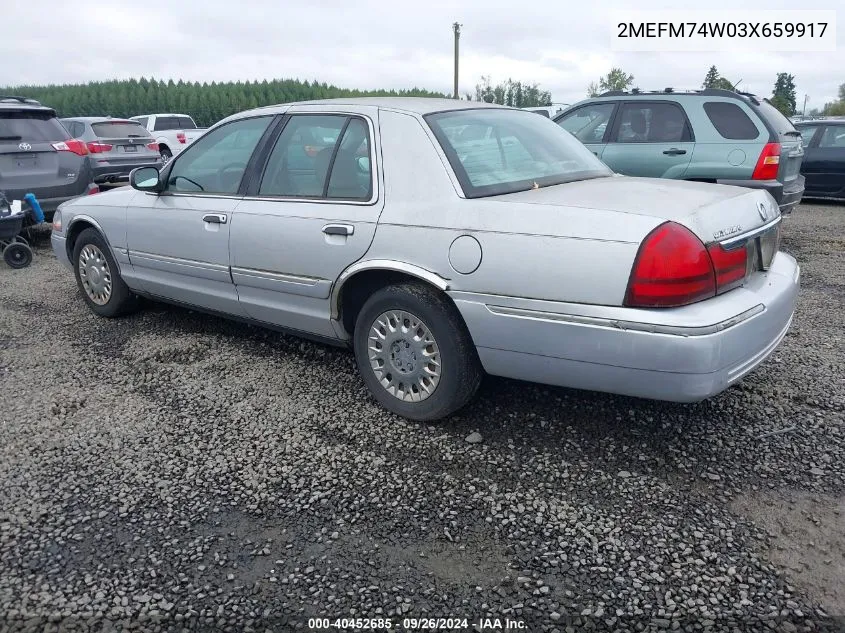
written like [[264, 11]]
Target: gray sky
[[377, 44]]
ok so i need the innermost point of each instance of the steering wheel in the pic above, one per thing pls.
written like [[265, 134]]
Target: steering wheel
[[221, 174]]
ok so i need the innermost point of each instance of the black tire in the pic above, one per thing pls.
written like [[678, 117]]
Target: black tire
[[460, 369], [166, 154], [17, 255], [122, 300]]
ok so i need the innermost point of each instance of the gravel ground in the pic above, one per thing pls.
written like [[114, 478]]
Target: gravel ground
[[172, 470]]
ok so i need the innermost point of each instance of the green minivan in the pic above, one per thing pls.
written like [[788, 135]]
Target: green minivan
[[711, 135]]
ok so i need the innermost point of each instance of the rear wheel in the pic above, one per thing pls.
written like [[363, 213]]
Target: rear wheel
[[17, 255], [166, 154], [414, 352], [98, 278]]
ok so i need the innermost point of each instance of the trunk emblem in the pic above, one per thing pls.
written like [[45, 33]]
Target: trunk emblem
[[25, 146]]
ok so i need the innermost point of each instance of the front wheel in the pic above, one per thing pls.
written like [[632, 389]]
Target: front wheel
[[98, 278], [414, 352]]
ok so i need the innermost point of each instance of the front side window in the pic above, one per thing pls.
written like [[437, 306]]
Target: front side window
[[318, 156], [517, 151], [588, 123], [216, 162], [833, 136], [651, 123]]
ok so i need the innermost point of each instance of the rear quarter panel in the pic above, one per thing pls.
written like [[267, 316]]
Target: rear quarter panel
[[716, 157], [535, 251]]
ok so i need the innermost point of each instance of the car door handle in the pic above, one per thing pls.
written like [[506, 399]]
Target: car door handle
[[214, 218], [338, 229], [675, 152]]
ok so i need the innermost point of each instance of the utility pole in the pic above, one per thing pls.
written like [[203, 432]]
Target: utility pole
[[457, 29], [804, 110]]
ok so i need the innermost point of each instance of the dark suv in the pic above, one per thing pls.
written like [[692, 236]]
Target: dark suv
[[711, 135], [38, 156]]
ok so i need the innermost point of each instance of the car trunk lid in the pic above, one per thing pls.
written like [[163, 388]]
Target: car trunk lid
[[121, 142], [785, 134]]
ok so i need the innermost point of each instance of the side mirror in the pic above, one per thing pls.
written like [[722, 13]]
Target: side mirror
[[145, 179]]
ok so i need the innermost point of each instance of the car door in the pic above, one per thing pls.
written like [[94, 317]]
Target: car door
[[590, 124], [810, 166], [650, 138], [312, 214], [178, 240], [824, 162]]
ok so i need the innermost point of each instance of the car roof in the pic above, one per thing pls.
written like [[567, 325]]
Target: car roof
[[821, 122], [96, 119], [417, 105], [138, 116], [21, 104]]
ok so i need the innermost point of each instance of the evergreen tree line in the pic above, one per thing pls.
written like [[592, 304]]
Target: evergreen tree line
[[206, 103]]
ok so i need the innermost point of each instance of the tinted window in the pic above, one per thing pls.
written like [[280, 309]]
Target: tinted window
[[834, 136], [186, 123], [731, 121], [119, 129], [299, 163], [780, 123], [651, 123], [166, 123], [216, 162], [588, 123], [807, 132], [74, 128], [350, 173], [31, 126], [142, 120], [518, 151]]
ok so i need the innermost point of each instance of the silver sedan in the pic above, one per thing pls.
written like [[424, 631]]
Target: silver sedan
[[444, 239]]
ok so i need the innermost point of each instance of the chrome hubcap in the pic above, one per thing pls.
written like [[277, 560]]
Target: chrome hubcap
[[94, 274], [404, 356]]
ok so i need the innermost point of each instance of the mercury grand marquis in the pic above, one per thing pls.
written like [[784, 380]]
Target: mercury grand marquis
[[443, 239]]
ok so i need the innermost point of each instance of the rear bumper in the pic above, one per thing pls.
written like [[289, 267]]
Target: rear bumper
[[120, 173], [787, 196], [681, 354]]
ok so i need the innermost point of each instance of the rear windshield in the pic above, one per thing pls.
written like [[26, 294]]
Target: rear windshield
[[780, 123], [17, 127], [187, 123], [119, 129], [499, 151]]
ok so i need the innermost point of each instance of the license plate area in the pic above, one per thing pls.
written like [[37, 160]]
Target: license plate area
[[762, 250], [130, 148]]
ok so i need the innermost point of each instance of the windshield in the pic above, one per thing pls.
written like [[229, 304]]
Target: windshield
[[497, 151]]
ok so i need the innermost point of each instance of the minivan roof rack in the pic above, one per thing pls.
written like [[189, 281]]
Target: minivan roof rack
[[26, 100]]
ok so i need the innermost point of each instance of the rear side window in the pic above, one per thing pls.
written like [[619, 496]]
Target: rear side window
[[807, 133], [142, 120], [652, 123], [186, 123], [166, 123], [16, 127], [119, 129], [730, 121]]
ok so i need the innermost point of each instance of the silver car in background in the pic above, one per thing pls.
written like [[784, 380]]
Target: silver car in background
[[441, 239], [115, 146]]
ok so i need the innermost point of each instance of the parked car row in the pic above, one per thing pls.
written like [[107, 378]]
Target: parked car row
[[413, 230]]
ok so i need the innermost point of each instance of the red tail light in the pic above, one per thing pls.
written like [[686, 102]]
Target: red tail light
[[98, 148], [672, 268], [153, 146], [73, 145], [92, 189], [180, 136], [730, 266], [768, 163]]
